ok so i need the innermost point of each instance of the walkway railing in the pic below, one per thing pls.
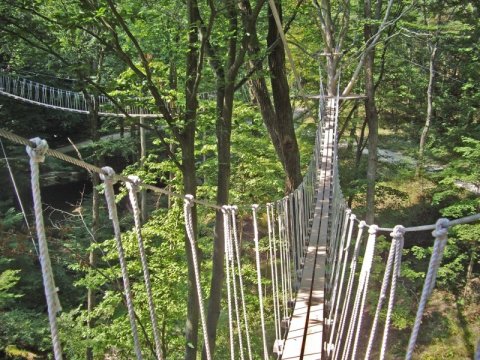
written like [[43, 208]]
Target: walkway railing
[[43, 95]]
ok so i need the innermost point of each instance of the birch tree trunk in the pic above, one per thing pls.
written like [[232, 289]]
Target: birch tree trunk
[[428, 119]]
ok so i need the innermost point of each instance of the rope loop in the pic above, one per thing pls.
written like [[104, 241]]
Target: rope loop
[[362, 224], [134, 183], [353, 217], [188, 200], [38, 153], [441, 228], [108, 175], [348, 212], [372, 230], [398, 232]]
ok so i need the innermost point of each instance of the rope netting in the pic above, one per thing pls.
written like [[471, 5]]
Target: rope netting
[[290, 223]]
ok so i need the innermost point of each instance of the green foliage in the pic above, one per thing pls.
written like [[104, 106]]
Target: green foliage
[[27, 329], [8, 279], [11, 218]]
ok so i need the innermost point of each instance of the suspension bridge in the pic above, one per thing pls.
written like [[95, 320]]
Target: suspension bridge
[[319, 257]]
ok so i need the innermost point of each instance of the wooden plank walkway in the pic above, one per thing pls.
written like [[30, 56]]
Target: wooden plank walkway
[[305, 335]]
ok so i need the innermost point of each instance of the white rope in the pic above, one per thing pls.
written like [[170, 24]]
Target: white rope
[[398, 236], [240, 279], [341, 249], [288, 241], [357, 311], [19, 198], [271, 240], [226, 232], [383, 291], [281, 242], [37, 155], [187, 212], [108, 179], [368, 261], [133, 188], [440, 234], [231, 259], [259, 281], [344, 266], [353, 266]]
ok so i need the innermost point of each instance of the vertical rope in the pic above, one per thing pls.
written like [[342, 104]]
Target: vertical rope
[[37, 155], [368, 260], [345, 308], [17, 194], [226, 231], [337, 305], [271, 239], [397, 235], [288, 229], [281, 241], [133, 188], [440, 234], [240, 279], [360, 290], [259, 281], [187, 211], [347, 222], [108, 179], [231, 258], [383, 294]]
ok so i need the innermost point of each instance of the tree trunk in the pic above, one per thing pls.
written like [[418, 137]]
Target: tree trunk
[[92, 258], [428, 119], [372, 119], [277, 116], [187, 144], [283, 108], [226, 76], [143, 155]]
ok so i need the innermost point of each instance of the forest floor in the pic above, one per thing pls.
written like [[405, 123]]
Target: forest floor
[[451, 324]]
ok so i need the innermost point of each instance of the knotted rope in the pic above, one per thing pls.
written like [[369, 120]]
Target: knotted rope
[[108, 177], [440, 233], [37, 155], [133, 188], [187, 211]]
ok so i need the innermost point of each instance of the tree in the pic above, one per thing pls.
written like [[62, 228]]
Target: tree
[[117, 31]]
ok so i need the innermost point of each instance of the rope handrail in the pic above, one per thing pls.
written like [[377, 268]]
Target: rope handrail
[[92, 168], [459, 221]]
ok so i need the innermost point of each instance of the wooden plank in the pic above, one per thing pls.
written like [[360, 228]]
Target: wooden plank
[[294, 342], [305, 336], [314, 333]]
